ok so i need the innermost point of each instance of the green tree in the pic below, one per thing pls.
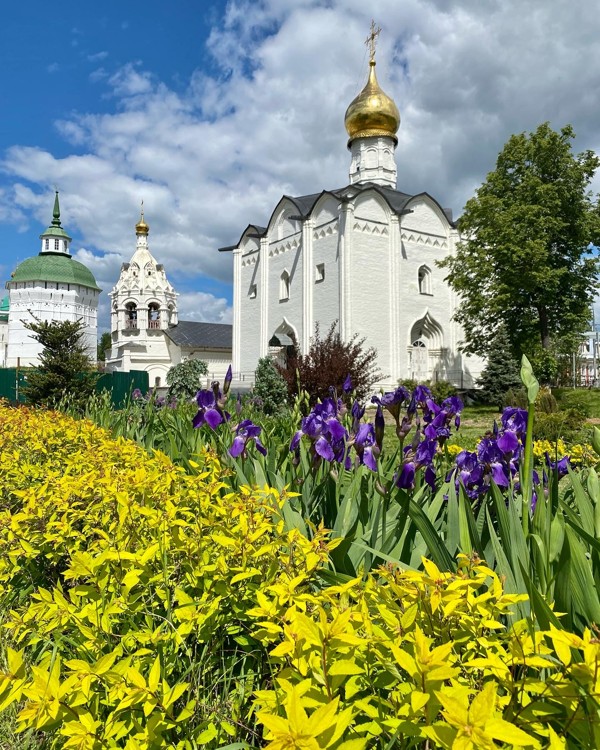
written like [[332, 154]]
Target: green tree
[[104, 346], [269, 386], [184, 379], [327, 364], [65, 369], [522, 261], [501, 372]]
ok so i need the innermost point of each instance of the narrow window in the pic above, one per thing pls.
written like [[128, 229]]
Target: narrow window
[[284, 287], [320, 272], [46, 244], [424, 280], [56, 244]]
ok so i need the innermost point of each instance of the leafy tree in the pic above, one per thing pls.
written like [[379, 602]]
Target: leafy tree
[[184, 379], [65, 369], [104, 346], [269, 386], [327, 364], [525, 236], [501, 372]]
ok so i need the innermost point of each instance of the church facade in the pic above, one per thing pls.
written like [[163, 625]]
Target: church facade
[[50, 286], [363, 255]]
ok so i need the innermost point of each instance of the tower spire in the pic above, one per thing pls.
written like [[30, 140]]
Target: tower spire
[[141, 227], [56, 211]]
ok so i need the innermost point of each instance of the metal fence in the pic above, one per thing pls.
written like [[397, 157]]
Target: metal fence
[[120, 385]]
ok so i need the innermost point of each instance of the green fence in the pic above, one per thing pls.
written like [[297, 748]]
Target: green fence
[[118, 384]]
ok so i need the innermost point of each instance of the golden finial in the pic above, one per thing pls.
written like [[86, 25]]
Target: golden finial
[[141, 227], [372, 113], [371, 40]]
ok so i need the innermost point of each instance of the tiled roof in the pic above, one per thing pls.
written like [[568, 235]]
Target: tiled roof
[[188, 333]]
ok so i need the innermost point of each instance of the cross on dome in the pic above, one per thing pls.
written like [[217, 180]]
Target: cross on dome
[[371, 40]]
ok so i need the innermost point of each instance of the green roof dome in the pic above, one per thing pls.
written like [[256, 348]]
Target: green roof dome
[[59, 268]]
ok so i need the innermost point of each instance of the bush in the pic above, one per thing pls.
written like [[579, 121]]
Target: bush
[[184, 379], [565, 424], [269, 387], [412, 660], [125, 588], [501, 373], [327, 364], [442, 389]]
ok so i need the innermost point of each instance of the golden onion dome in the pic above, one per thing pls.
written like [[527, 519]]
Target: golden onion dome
[[141, 227], [372, 112]]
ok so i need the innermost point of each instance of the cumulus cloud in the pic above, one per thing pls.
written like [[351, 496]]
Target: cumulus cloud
[[218, 154]]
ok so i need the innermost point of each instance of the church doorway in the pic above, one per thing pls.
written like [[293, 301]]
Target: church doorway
[[282, 343], [418, 361], [425, 348]]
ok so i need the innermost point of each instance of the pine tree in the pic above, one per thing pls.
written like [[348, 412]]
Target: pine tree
[[501, 372], [65, 369]]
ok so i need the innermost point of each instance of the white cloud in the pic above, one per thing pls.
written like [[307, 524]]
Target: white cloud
[[218, 155]]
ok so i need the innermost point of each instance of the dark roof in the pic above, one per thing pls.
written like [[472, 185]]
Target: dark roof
[[396, 199], [201, 335]]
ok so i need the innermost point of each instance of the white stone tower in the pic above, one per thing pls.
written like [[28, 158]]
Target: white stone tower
[[143, 306], [50, 286]]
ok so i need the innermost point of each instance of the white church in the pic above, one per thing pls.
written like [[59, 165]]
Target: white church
[[363, 255]]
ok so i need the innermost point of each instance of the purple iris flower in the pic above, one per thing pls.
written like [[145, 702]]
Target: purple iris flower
[[136, 395], [561, 466], [516, 420], [246, 432], [347, 387], [326, 432], [508, 442], [418, 455], [210, 410], [392, 401], [238, 404], [379, 427], [227, 381], [357, 413], [365, 445]]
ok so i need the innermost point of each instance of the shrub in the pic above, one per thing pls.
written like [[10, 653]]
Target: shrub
[[442, 389], [125, 586], [412, 660], [269, 387], [327, 364], [184, 379]]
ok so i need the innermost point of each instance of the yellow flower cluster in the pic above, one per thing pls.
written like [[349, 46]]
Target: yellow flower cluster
[[412, 659], [125, 585], [145, 608]]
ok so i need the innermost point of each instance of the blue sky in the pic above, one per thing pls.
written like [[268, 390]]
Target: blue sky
[[210, 111]]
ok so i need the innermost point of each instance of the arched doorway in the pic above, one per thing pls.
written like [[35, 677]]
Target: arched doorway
[[425, 348], [283, 342]]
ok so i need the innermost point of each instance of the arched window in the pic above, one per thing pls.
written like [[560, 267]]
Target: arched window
[[284, 287], [424, 280], [153, 315], [131, 315]]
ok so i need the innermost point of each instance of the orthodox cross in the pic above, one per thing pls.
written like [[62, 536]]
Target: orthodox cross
[[372, 39]]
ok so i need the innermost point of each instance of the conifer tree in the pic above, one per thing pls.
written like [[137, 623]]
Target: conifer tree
[[269, 386], [65, 369], [501, 371]]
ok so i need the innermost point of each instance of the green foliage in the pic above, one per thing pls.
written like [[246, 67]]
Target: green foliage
[[327, 363], [522, 261], [184, 379], [442, 389], [65, 369], [104, 346], [269, 387], [501, 372], [125, 588], [422, 660]]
